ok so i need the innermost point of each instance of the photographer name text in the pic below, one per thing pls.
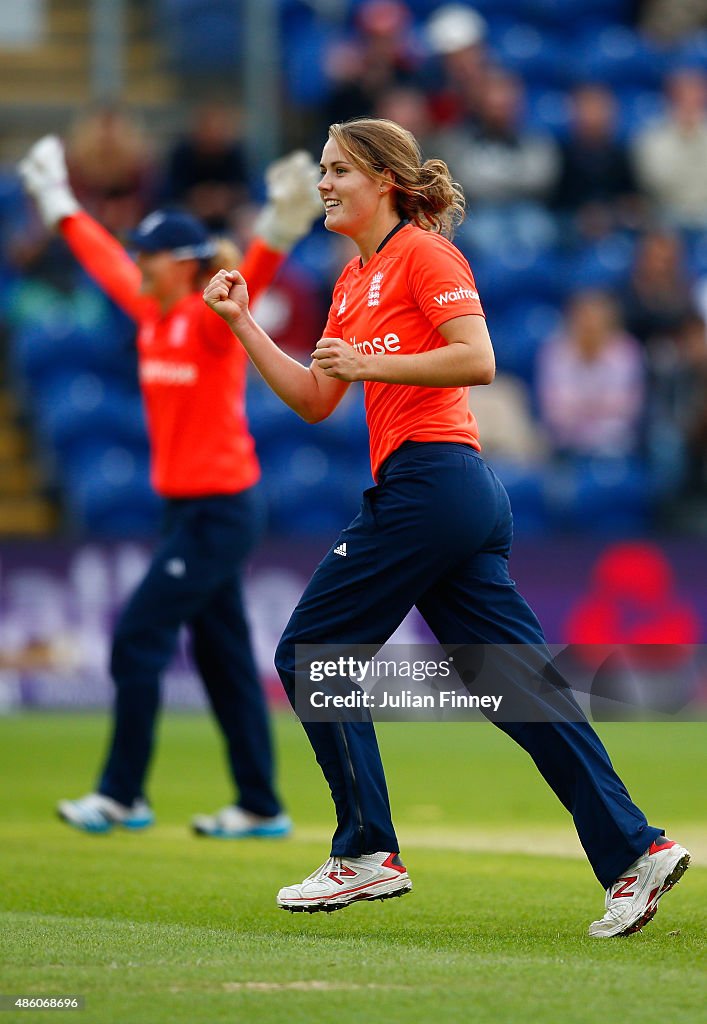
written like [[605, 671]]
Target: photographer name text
[[404, 699]]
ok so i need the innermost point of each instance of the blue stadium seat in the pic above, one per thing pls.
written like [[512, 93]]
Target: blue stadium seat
[[41, 349], [547, 110], [108, 491], [83, 405], [565, 14], [310, 490], [270, 420], [525, 489], [690, 52], [697, 255], [519, 332], [305, 78], [518, 274], [318, 255], [617, 55], [540, 58], [602, 264], [609, 497], [14, 208], [637, 108], [346, 430], [202, 36]]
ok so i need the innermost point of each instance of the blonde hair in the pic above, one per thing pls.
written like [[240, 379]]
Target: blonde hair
[[424, 192]]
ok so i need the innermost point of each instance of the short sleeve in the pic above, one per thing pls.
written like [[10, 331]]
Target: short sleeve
[[441, 281]]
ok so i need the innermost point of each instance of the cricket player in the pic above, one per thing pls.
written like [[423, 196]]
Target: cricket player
[[435, 531], [204, 465]]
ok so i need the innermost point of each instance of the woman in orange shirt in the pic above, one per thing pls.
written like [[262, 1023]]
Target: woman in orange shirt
[[434, 532], [203, 464]]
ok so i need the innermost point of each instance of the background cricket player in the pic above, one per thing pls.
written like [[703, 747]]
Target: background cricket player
[[436, 529], [203, 463]]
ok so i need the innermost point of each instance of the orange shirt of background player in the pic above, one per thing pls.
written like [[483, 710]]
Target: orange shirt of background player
[[192, 371]]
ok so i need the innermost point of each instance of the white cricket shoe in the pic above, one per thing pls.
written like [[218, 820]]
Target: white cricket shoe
[[345, 880], [99, 813], [632, 901], [235, 823]]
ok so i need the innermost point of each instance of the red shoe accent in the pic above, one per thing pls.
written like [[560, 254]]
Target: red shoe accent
[[389, 862], [661, 843]]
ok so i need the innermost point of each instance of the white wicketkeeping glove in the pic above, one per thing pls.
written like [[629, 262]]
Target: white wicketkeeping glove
[[44, 176], [293, 202]]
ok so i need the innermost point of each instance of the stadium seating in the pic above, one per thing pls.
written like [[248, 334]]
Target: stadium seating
[[202, 36], [108, 491], [77, 372]]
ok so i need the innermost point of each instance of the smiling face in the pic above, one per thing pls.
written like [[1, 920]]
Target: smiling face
[[356, 204]]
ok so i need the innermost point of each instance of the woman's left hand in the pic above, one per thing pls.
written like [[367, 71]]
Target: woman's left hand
[[338, 359]]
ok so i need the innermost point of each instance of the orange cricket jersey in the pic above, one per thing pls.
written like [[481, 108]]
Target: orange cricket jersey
[[192, 370], [414, 283]]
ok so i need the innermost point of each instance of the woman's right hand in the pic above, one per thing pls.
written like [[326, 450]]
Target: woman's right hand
[[227, 294]]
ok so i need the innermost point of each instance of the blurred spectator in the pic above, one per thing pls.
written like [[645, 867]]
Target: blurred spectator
[[506, 172], [667, 21], [658, 294], [596, 188], [206, 170], [407, 106], [677, 431], [506, 426], [456, 39], [591, 382], [111, 163], [671, 155], [378, 56]]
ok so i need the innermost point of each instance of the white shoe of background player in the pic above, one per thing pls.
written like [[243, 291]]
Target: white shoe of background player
[[98, 813], [235, 823]]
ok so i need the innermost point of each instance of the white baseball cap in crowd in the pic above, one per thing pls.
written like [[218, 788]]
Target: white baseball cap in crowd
[[453, 27]]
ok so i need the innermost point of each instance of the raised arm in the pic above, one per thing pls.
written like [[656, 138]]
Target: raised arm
[[292, 206], [312, 394], [44, 175], [466, 359]]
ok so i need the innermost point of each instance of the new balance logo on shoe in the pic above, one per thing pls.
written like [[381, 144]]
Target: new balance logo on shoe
[[625, 889], [341, 874], [340, 549]]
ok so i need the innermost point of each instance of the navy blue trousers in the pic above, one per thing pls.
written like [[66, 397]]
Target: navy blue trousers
[[436, 533], [194, 579]]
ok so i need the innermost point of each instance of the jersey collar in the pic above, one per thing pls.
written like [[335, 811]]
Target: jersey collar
[[403, 223]]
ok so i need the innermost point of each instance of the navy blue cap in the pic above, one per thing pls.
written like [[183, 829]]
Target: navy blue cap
[[182, 235]]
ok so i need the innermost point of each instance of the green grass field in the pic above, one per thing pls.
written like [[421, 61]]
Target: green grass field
[[164, 927]]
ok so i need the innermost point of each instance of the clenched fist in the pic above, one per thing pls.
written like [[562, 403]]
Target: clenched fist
[[227, 294], [338, 359]]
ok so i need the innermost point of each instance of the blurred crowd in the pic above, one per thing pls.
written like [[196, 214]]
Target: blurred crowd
[[583, 167]]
